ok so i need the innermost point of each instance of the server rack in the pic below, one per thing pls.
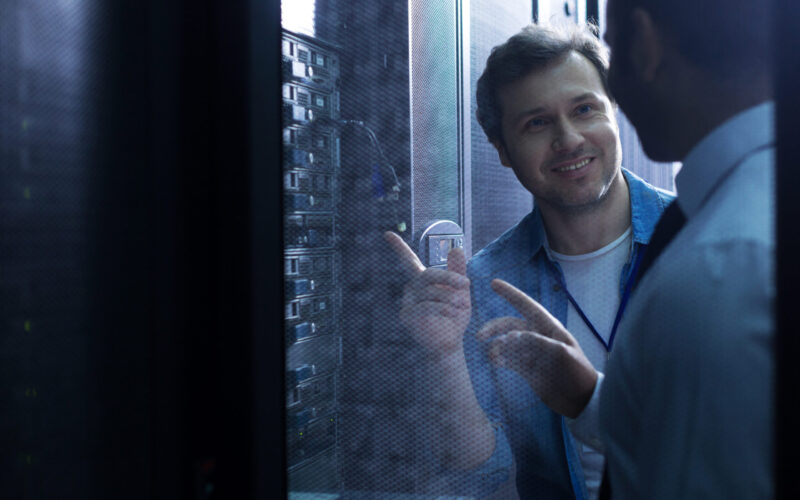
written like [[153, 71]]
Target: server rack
[[313, 295], [401, 160]]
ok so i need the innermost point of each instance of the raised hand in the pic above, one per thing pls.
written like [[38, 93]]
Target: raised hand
[[542, 351], [436, 302]]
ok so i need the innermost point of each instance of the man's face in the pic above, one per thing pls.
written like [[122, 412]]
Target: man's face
[[636, 99], [560, 134]]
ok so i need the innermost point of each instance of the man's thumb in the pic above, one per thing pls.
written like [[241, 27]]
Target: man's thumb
[[457, 261]]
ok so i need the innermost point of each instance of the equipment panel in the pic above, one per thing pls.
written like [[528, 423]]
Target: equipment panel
[[310, 148], [311, 282], [309, 63]]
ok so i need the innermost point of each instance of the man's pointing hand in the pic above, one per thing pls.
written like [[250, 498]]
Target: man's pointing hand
[[542, 351]]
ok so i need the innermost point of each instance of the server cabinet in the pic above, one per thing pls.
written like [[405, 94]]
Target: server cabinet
[[787, 347], [497, 200], [69, 305], [372, 142], [127, 340], [312, 260]]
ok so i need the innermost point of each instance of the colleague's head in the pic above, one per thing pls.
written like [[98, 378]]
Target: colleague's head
[[682, 61], [543, 102]]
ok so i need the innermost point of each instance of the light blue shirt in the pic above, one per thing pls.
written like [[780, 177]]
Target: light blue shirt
[[686, 406], [547, 461]]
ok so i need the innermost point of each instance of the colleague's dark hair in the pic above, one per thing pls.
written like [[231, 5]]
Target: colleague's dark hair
[[731, 38], [531, 49]]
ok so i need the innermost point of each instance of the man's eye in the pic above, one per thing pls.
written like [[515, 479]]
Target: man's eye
[[583, 109], [535, 123]]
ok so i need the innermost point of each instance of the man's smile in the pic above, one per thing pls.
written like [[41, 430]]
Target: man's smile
[[574, 166]]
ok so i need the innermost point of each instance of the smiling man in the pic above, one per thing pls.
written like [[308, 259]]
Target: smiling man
[[543, 102]]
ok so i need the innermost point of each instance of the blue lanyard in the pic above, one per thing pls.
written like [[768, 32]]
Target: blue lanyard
[[626, 294]]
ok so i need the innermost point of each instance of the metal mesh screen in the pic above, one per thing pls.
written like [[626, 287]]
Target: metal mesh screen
[[498, 200]]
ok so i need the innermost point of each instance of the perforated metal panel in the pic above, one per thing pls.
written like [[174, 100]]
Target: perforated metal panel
[[435, 153], [498, 200]]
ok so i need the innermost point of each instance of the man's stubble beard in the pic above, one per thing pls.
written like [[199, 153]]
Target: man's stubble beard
[[563, 205]]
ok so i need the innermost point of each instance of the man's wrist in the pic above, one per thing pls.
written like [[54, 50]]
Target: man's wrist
[[585, 396], [585, 426], [445, 359]]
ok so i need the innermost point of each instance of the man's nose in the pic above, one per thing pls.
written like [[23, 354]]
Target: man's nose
[[567, 137]]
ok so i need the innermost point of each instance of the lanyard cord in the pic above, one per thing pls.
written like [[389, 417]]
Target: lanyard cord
[[622, 303]]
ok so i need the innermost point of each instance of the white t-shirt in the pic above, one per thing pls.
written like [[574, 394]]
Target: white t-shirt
[[593, 280]]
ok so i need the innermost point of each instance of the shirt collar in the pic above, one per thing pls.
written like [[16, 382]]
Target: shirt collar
[[645, 212], [710, 159]]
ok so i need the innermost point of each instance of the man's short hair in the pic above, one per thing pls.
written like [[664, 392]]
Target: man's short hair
[[728, 37], [533, 48]]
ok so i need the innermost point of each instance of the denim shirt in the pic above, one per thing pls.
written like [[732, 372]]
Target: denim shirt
[[547, 461]]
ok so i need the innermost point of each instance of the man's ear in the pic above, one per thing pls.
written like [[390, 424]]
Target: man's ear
[[647, 47], [501, 152]]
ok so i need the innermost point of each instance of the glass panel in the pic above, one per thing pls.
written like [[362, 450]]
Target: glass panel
[[380, 135]]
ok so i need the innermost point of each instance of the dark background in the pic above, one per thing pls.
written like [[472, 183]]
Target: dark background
[[140, 250]]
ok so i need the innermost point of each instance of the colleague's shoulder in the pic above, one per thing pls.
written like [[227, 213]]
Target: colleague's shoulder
[[743, 207], [726, 248]]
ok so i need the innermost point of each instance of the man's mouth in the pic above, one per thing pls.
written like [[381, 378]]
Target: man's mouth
[[574, 166]]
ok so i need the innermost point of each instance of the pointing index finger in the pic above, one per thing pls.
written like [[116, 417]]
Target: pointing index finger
[[407, 257], [538, 317]]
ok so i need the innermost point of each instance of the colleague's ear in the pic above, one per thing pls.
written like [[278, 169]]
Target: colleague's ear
[[647, 47], [501, 152]]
